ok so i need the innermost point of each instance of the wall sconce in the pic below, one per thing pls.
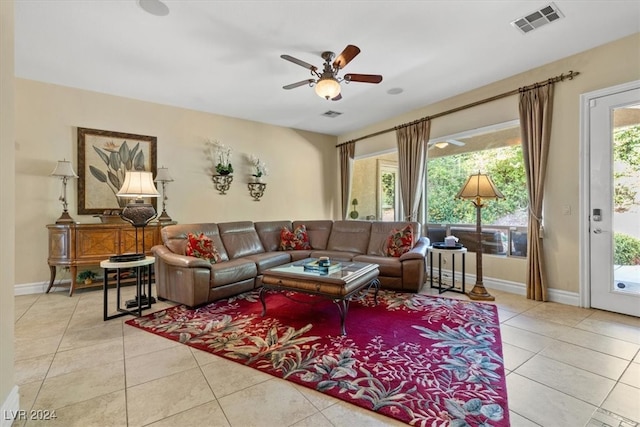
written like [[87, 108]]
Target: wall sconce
[[222, 182], [256, 190], [163, 177], [64, 170], [478, 187]]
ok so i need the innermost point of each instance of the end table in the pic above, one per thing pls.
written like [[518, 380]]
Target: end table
[[445, 252], [144, 270]]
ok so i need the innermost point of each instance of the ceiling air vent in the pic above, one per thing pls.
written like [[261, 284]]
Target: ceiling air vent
[[331, 114], [538, 18]]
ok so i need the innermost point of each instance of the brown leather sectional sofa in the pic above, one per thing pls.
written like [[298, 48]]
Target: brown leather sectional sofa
[[248, 248]]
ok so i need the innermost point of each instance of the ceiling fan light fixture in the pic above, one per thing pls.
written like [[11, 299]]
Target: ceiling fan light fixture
[[442, 144], [328, 88]]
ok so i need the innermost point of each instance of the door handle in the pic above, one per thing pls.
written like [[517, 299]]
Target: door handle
[[597, 230]]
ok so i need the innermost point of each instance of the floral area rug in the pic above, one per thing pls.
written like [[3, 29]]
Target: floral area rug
[[427, 361]]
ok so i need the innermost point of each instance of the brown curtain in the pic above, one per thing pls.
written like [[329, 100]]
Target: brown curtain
[[347, 153], [412, 162], [536, 106]]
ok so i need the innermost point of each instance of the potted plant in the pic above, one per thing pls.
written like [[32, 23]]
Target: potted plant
[[259, 168], [221, 157], [87, 276]]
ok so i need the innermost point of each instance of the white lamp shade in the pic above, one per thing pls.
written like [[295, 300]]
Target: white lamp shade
[[138, 184], [64, 168], [163, 175], [479, 185], [328, 88]]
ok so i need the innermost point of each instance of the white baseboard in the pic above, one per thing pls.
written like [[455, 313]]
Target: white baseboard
[[10, 408], [555, 295], [39, 287]]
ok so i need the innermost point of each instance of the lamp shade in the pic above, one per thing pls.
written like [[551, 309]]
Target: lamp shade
[[64, 168], [479, 186], [328, 88], [163, 175], [138, 184]]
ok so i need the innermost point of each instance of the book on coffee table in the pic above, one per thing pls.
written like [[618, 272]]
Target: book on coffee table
[[315, 266]]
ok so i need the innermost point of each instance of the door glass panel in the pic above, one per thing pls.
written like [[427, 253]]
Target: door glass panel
[[626, 199], [388, 182]]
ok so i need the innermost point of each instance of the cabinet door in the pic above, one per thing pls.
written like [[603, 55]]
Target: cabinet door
[[129, 239], [92, 242], [59, 244]]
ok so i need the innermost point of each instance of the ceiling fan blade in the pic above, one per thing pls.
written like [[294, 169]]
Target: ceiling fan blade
[[364, 78], [299, 62], [338, 97], [298, 84], [456, 142], [346, 56]]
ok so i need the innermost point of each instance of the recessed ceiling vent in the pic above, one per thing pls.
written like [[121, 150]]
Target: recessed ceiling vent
[[332, 114], [538, 18]]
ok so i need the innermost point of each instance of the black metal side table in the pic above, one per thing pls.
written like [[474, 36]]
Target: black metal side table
[[453, 251], [144, 271]]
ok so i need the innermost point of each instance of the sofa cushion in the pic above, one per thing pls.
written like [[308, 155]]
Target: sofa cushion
[[318, 231], [269, 233], [388, 266], [349, 236], [297, 239], [269, 259], [334, 255], [380, 231], [234, 270], [240, 239], [174, 237], [400, 241], [200, 246]]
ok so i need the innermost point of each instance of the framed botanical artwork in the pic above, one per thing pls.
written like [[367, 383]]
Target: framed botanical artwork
[[104, 157]]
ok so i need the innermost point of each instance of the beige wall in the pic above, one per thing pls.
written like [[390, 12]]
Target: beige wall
[[302, 181], [604, 66], [7, 216]]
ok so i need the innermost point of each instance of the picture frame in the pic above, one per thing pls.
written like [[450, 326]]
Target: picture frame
[[103, 159]]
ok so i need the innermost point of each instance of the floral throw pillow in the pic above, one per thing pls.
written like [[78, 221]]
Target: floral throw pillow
[[294, 240], [400, 241], [200, 246]]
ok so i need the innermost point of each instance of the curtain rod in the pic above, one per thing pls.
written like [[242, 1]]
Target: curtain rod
[[555, 79]]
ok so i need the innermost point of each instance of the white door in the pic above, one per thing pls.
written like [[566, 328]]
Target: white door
[[614, 201]]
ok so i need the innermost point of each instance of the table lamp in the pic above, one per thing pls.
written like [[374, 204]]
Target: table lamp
[[138, 184], [478, 187], [163, 177], [64, 170]]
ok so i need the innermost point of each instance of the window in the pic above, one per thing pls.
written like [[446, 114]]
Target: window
[[497, 151]]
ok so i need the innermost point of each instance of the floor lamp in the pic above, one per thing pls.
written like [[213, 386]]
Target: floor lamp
[[137, 185], [64, 170], [478, 187], [163, 177]]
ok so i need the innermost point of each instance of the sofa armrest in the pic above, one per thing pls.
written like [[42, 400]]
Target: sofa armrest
[[418, 251], [177, 260]]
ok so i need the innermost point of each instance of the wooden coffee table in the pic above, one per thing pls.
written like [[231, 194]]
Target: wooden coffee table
[[342, 285]]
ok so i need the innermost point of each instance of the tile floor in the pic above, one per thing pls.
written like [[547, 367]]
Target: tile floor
[[566, 366]]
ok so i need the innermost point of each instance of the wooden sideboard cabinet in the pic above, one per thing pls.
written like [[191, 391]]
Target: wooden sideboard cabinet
[[85, 245]]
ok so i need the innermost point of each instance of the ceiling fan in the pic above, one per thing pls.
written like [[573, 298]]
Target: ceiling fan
[[445, 143], [327, 82]]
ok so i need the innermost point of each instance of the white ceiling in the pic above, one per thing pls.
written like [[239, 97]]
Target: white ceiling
[[223, 57]]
